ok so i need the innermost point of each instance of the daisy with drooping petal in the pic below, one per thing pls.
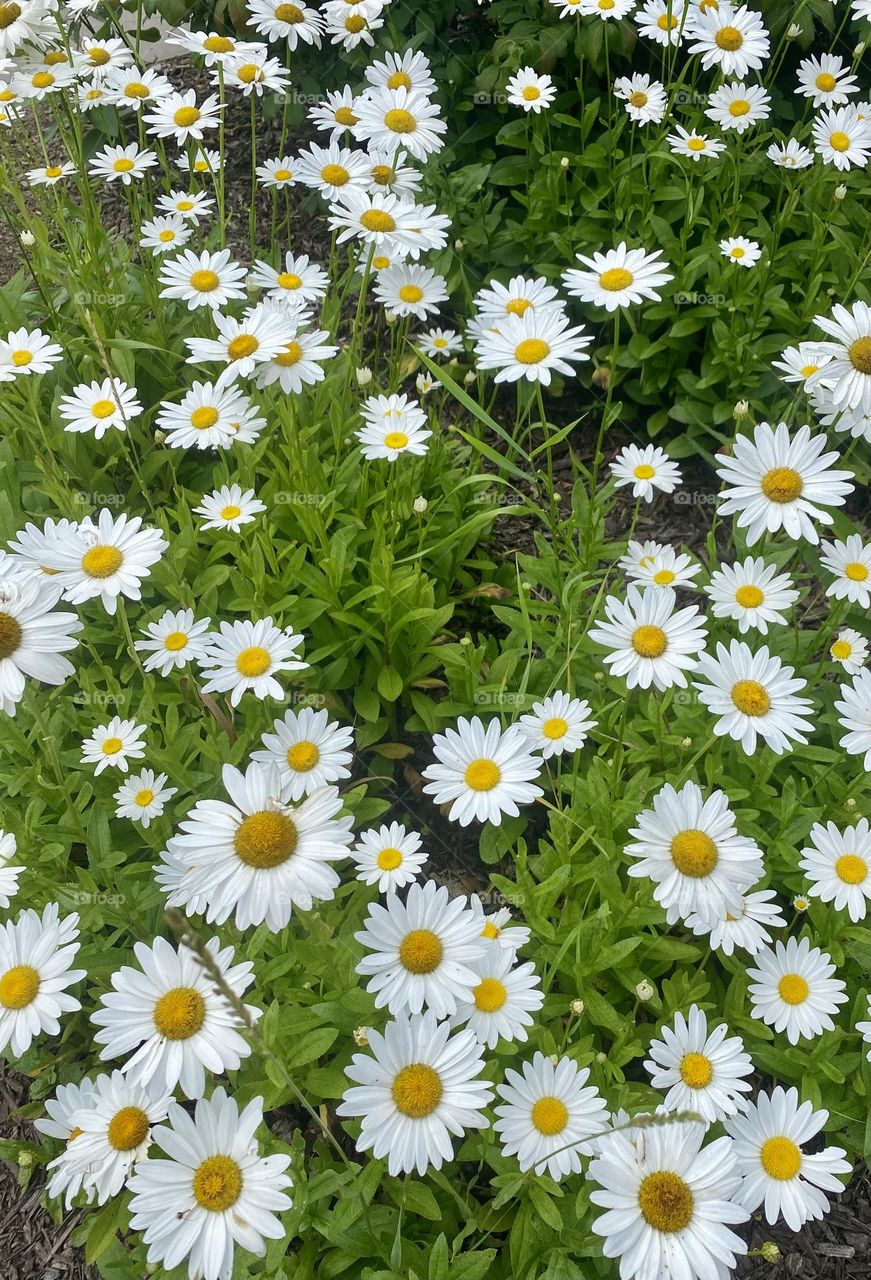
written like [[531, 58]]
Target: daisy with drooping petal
[[33, 638], [534, 346], [752, 593], [399, 117], [684, 142], [799, 364], [530, 91], [767, 1141], [190, 205], [67, 1099], [411, 290], [110, 745], [419, 1087], [850, 562], [738, 106], [702, 1071], [298, 363], [229, 508], [389, 857], [8, 874], [556, 725], [662, 21], [203, 160], [169, 1021], [309, 750], [549, 1115], [503, 1001], [790, 155], [689, 845], [847, 374], [838, 865], [777, 481], [108, 558], [179, 116], [382, 219], [246, 656], [741, 251], [639, 556], [26, 351], [851, 650], [842, 137], [619, 277], [337, 113], [746, 926], [792, 989], [666, 568], [100, 406], [290, 22], [754, 695], [650, 644], [35, 957], [646, 469], [826, 80], [203, 279], [143, 796], [173, 641], [645, 99], [854, 710], [734, 40], [482, 771], [253, 72], [299, 280], [122, 164], [165, 233], [210, 416], [422, 951], [214, 1191]]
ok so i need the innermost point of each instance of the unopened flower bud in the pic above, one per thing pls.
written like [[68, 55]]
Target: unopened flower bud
[[465, 640], [741, 410], [564, 162], [28, 238], [159, 436], [601, 1057], [390, 316], [424, 383], [840, 192], [25, 1159], [859, 51], [577, 1007], [686, 743], [599, 676], [361, 1037], [364, 376], [793, 32], [602, 377], [770, 1251], [419, 505], [459, 246], [850, 805], [645, 990], [469, 378]]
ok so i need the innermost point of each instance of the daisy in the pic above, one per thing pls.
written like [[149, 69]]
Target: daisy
[[389, 857], [639, 556], [214, 1191], [695, 145], [253, 72], [108, 558], [411, 290], [799, 364], [28, 23], [33, 638], [332, 170], [440, 343], [550, 1115], [738, 106], [530, 91], [533, 346], [229, 508], [825, 80], [261, 335], [408, 70], [741, 251], [36, 81], [646, 469], [112, 744], [258, 857], [607, 10], [645, 99], [503, 1001], [496, 302], [35, 957], [754, 695], [68, 1098], [767, 1141], [293, 23], [781, 482], [567, 8], [203, 279], [27, 351], [792, 989], [246, 657], [8, 874], [499, 927], [388, 171], [855, 716], [399, 117], [838, 865], [851, 650], [661, 21], [667, 568], [100, 55], [752, 593], [51, 174], [650, 644], [557, 725], [100, 406], [734, 40], [690, 847], [398, 411], [847, 375], [203, 160], [122, 163], [142, 797], [164, 233], [702, 1071], [789, 155], [384, 219], [308, 749], [387, 441], [667, 1203], [619, 277], [190, 205], [482, 771], [179, 116], [850, 562], [92, 94], [864, 1029], [298, 279], [842, 137], [31, 547], [337, 113], [169, 1021], [854, 421], [133, 87], [349, 29], [211, 46], [208, 417], [418, 1088], [746, 926], [297, 363]]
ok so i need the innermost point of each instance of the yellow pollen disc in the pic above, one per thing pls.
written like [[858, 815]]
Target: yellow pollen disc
[[143, 798], [217, 1184], [124, 165], [649, 642], [230, 513], [550, 1116], [417, 1091], [793, 989], [179, 1013], [666, 22], [166, 236], [665, 1201], [751, 698], [605, 4], [201, 166], [136, 89], [555, 728], [809, 369], [439, 342], [782, 485], [204, 417], [266, 839], [696, 1071], [9, 13], [517, 306], [420, 951], [489, 995], [738, 252], [739, 107], [380, 261], [749, 596], [303, 756], [99, 57], [389, 859], [112, 746], [355, 24], [7, 95], [856, 571], [42, 80], [346, 117], [254, 661], [21, 358], [289, 13], [410, 293], [102, 562], [185, 206], [218, 44], [530, 93], [128, 1129], [381, 173], [399, 80], [250, 73], [860, 355], [839, 141], [638, 99], [841, 650], [531, 351], [664, 578], [395, 440], [291, 355], [826, 82], [54, 57], [729, 39], [482, 775], [103, 408], [54, 171], [399, 121], [696, 144], [19, 987], [780, 1158], [242, 346], [615, 279], [10, 635], [490, 930], [287, 280], [205, 281], [75, 1133], [186, 116], [378, 220], [851, 869], [644, 471], [694, 853]]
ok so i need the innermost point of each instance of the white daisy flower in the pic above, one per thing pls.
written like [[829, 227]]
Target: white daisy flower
[[246, 657], [684, 142], [51, 174], [100, 406], [387, 441], [499, 927], [752, 593], [864, 1029], [408, 70], [503, 1001], [350, 28], [293, 23], [122, 163], [847, 374], [645, 99], [495, 302], [482, 771], [35, 957], [607, 10], [530, 91], [142, 797], [646, 469], [388, 171], [108, 558], [229, 508], [133, 87], [799, 364], [850, 562], [8, 874], [203, 279], [662, 21], [842, 137], [67, 1099], [164, 233], [389, 857], [440, 343], [856, 422], [399, 117], [639, 556], [738, 106], [298, 362], [826, 80], [190, 205], [33, 638], [112, 744], [754, 695], [851, 650], [100, 55], [650, 644], [333, 169], [556, 725], [260, 335], [741, 251], [619, 277], [746, 926], [854, 711], [418, 1088], [210, 416], [411, 290], [209, 45], [534, 346], [309, 750], [702, 1071], [734, 40], [37, 81], [791, 1183], [253, 72], [203, 160], [792, 989], [838, 865], [667, 568], [337, 113], [384, 219], [33, 545], [180, 116], [27, 351], [28, 23], [790, 155], [550, 1116], [298, 279]]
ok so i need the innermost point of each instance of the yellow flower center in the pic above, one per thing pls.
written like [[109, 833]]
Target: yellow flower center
[[380, 261], [780, 1158], [737, 251], [550, 1116], [808, 369], [751, 698], [793, 989], [420, 951], [355, 24], [230, 512], [826, 82], [128, 1129], [644, 471], [555, 728], [665, 1201], [666, 22], [637, 98], [186, 116], [99, 56], [841, 650], [615, 279], [291, 355], [166, 236], [782, 485], [531, 351], [839, 141], [19, 987], [490, 995], [749, 596], [860, 355], [179, 1013], [739, 107], [490, 930], [856, 571], [729, 39], [144, 797], [696, 144], [204, 417], [381, 173], [389, 859], [694, 853], [21, 358], [218, 44], [398, 120], [250, 73], [482, 775], [254, 661], [9, 13], [112, 746], [185, 206], [102, 562], [103, 408], [664, 578], [242, 346], [217, 1184], [42, 80], [53, 171], [649, 642], [205, 281], [10, 635], [399, 80], [517, 306], [696, 1070], [287, 280], [136, 89], [266, 839], [282, 175], [124, 165], [289, 13], [395, 440], [378, 220], [530, 93], [410, 293], [345, 116], [417, 1091], [303, 756], [851, 869]]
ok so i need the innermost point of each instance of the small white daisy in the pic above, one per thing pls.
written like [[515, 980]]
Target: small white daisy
[[842, 137], [556, 725], [529, 90], [549, 1115], [173, 641], [112, 745], [483, 771], [246, 656], [799, 364], [122, 164], [229, 508], [308, 749], [850, 649], [738, 106], [645, 99], [142, 797], [389, 857], [99, 406], [8, 873], [35, 957], [792, 989], [745, 926], [702, 1071], [850, 562], [650, 644], [619, 277], [732, 39], [838, 865], [203, 279], [503, 1001], [646, 469], [752, 593], [684, 142], [165, 233], [741, 251], [754, 695], [790, 155]]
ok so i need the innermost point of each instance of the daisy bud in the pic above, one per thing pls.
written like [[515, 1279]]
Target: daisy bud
[[850, 805], [800, 903], [602, 377], [465, 640], [564, 162], [419, 505], [459, 246], [793, 32], [859, 50], [600, 676], [27, 238], [390, 316], [364, 376], [159, 437], [686, 743], [25, 1159], [577, 1007], [645, 990], [601, 1058], [840, 193], [469, 378], [770, 1252], [424, 383], [361, 1038], [741, 410]]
